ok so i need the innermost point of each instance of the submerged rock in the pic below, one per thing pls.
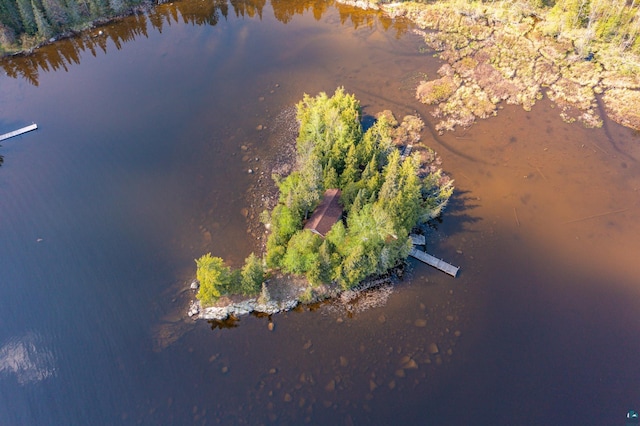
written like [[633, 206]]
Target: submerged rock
[[433, 349], [420, 323]]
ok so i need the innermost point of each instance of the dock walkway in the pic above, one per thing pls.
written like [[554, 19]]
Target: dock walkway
[[434, 261], [406, 151], [18, 132], [418, 240]]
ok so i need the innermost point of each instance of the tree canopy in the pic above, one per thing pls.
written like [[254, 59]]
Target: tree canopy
[[216, 278], [382, 195]]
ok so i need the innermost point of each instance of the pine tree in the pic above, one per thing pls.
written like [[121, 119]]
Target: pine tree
[[98, 8], [44, 27], [76, 9], [214, 277], [28, 19], [118, 6], [330, 177], [10, 17], [252, 275], [56, 13], [351, 170]]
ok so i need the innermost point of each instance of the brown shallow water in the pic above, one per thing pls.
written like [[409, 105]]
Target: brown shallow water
[[138, 168]]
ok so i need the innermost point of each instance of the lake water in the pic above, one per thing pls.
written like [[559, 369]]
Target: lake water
[[138, 168]]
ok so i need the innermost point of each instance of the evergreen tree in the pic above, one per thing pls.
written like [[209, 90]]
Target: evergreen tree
[[214, 277], [330, 177], [11, 19], [377, 142], [351, 170], [284, 223], [118, 6], [56, 13], [252, 275], [302, 252], [44, 27], [98, 8], [76, 9], [28, 18]]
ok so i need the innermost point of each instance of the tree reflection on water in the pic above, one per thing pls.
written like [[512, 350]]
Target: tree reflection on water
[[61, 54]]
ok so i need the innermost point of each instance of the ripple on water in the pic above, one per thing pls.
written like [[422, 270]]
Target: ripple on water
[[27, 358]]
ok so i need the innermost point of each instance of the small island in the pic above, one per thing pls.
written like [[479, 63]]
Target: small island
[[344, 215]]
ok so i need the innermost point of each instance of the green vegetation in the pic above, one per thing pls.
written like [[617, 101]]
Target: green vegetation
[[518, 52], [217, 279], [615, 22], [436, 91], [383, 196], [26, 23]]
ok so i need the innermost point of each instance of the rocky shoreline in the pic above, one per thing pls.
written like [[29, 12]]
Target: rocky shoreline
[[283, 293]]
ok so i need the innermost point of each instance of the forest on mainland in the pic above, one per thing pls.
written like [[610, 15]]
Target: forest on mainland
[[25, 24]]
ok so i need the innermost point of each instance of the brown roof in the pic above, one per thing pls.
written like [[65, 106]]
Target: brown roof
[[326, 214]]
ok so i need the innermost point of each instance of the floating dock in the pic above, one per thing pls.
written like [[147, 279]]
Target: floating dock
[[18, 132], [434, 261]]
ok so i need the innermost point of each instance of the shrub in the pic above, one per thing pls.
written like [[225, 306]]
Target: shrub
[[436, 91], [214, 277]]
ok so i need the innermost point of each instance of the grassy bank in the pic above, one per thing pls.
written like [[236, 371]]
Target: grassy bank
[[572, 51]]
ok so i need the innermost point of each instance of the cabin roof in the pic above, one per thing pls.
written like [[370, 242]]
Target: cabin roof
[[326, 214]]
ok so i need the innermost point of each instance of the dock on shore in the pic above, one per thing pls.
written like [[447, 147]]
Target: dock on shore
[[18, 132], [418, 240], [434, 261], [406, 151]]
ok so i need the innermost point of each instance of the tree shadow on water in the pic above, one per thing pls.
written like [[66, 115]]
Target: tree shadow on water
[[231, 322], [456, 216], [367, 121]]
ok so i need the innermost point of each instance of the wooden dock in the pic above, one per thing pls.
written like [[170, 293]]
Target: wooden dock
[[418, 240], [406, 151], [18, 132], [434, 261]]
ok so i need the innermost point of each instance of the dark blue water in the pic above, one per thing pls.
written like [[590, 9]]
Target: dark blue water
[[137, 169]]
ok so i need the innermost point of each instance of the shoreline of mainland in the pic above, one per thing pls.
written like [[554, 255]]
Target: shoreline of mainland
[[492, 55]]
